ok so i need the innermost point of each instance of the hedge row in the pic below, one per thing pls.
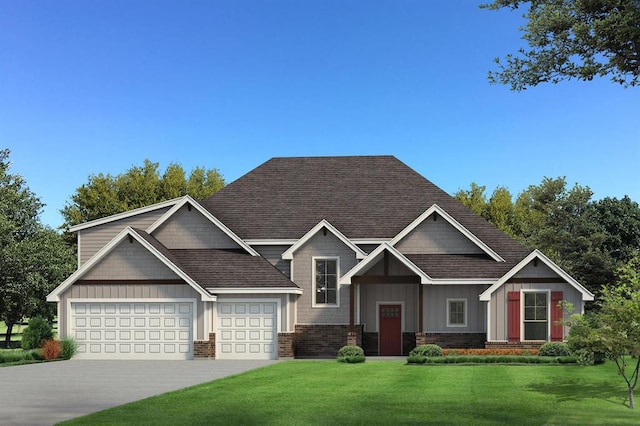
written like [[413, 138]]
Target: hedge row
[[491, 359]]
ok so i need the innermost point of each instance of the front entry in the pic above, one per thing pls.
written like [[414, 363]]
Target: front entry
[[390, 331]]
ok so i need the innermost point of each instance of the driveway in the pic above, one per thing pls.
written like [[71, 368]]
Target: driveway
[[47, 393]]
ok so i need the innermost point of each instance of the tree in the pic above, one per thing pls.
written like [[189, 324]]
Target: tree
[[105, 195], [33, 258], [573, 39], [619, 316]]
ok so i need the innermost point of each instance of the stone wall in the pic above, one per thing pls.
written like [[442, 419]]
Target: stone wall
[[205, 348]]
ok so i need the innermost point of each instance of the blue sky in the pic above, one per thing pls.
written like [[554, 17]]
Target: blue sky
[[90, 87]]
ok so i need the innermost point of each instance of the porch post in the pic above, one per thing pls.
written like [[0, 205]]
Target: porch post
[[420, 307], [351, 305]]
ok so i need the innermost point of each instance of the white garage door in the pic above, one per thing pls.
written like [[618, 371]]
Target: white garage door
[[133, 330], [247, 330]]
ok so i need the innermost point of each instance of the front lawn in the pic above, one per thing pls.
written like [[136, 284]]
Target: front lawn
[[390, 392]]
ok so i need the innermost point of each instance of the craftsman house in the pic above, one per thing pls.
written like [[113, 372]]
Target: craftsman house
[[301, 256]]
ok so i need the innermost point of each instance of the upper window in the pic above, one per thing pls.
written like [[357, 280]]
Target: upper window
[[456, 312], [325, 282], [536, 324]]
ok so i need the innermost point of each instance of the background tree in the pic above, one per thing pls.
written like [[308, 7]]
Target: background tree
[[105, 195], [570, 39], [33, 258]]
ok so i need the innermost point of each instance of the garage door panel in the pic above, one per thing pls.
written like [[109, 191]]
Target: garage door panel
[[133, 330], [246, 330]]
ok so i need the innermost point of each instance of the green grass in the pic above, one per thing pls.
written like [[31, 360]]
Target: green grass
[[390, 392]]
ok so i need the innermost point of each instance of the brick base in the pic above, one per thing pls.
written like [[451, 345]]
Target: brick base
[[285, 345], [513, 345], [205, 348], [453, 340], [370, 343], [322, 340]]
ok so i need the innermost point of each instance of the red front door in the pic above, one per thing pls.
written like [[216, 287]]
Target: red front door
[[390, 333]]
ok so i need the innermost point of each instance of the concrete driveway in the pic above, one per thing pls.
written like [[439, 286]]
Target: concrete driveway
[[47, 393]]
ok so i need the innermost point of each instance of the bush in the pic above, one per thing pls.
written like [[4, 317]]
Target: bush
[[37, 332], [490, 359], [51, 350], [583, 341], [19, 356], [351, 354], [427, 350], [490, 351], [554, 349], [69, 347]]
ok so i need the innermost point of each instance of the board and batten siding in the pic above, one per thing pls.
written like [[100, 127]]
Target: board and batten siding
[[129, 261], [131, 291], [302, 274], [371, 294], [286, 313], [436, 237], [435, 308], [498, 306], [189, 229], [92, 239], [274, 255]]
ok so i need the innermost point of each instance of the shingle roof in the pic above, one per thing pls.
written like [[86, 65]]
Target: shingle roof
[[362, 196], [213, 268], [460, 266]]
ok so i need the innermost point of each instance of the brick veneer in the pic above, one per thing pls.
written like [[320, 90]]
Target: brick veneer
[[205, 348], [285, 345], [370, 343], [453, 340], [321, 340]]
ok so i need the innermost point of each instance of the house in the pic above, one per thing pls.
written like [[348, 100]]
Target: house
[[301, 256]]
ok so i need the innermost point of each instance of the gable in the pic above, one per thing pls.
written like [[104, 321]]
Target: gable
[[188, 228], [129, 261], [434, 235], [535, 269]]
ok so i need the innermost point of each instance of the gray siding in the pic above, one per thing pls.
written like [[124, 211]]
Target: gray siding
[[302, 270], [371, 294], [286, 318], [130, 290], [435, 308], [91, 240], [499, 304], [274, 255], [129, 261], [191, 230], [540, 271], [437, 237]]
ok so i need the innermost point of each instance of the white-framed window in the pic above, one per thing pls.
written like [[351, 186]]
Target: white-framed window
[[535, 318], [456, 312], [325, 281]]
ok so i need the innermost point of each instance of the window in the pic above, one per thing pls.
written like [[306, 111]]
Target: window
[[536, 323], [456, 312], [325, 282]]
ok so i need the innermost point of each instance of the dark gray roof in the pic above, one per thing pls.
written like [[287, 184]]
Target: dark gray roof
[[459, 266], [363, 197], [212, 268]]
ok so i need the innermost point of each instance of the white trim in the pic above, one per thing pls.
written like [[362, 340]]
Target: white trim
[[402, 313], [463, 281], [254, 290], [54, 296], [536, 254], [313, 283], [489, 321], [446, 216], [358, 320], [188, 200], [288, 254], [270, 242], [523, 291], [466, 310], [376, 255], [124, 215]]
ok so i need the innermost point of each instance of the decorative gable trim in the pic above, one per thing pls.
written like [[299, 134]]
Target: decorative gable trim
[[130, 233], [288, 254], [376, 256], [435, 209], [537, 254], [125, 215], [187, 200]]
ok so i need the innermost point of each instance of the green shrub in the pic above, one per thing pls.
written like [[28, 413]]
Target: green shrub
[[15, 356], [554, 349], [416, 359], [427, 350], [490, 359], [37, 332], [583, 340], [351, 354], [69, 347], [584, 357]]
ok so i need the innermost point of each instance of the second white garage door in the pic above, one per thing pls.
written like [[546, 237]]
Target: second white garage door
[[247, 330]]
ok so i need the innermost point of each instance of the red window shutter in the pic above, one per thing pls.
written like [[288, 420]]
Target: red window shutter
[[513, 316], [556, 316]]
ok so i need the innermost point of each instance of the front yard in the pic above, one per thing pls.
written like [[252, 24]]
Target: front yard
[[390, 392]]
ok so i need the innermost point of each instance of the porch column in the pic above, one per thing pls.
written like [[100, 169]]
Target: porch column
[[420, 307], [351, 306]]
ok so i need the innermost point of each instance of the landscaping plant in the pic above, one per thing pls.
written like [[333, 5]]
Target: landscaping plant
[[52, 349], [351, 354], [37, 332]]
